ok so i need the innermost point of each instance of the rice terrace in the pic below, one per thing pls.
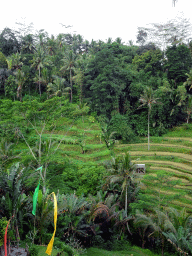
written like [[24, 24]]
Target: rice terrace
[[96, 143]]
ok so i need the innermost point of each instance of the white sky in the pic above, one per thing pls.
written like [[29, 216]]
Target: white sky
[[93, 19]]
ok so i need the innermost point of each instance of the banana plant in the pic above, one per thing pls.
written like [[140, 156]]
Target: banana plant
[[13, 199]]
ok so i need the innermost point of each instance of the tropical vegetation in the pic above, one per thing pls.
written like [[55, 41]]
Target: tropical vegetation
[[76, 119]]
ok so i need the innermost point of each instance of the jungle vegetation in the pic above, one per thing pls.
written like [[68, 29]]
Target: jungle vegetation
[[78, 109]]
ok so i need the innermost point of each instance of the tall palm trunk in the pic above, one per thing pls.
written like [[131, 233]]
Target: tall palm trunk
[[39, 82], [148, 129], [126, 200], [126, 209], [71, 86]]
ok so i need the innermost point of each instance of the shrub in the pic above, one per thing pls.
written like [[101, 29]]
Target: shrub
[[33, 251], [122, 130], [3, 61], [3, 224]]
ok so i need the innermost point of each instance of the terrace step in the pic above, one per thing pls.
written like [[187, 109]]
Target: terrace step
[[151, 153]]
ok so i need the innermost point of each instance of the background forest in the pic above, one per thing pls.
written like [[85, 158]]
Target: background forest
[[61, 92]]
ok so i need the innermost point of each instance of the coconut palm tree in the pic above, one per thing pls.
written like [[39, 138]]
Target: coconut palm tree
[[122, 171], [189, 79], [15, 61], [57, 88], [39, 61], [20, 80], [148, 98], [152, 225], [72, 212], [28, 45], [69, 62]]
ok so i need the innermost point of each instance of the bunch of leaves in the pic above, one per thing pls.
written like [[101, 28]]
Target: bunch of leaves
[[84, 178], [13, 200], [3, 61], [43, 217], [72, 216], [121, 129], [3, 225]]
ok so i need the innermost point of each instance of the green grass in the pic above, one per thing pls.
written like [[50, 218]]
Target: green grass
[[171, 153], [42, 250], [130, 251]]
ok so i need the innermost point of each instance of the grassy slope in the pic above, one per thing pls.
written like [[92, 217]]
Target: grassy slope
[[130, 251], [171, 153]]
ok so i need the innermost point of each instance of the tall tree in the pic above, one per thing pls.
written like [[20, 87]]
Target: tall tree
[[148, 98], [20, 80], [121, 170], [69, 62], [39, 61], [178, 63], [188, 83], [8, 42]]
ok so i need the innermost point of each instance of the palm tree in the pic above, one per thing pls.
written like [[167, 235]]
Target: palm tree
[[148, 98], [72, 213], [52, 46], [13, 199], [118, 40], [152, 225], [69, 62], [15, 61], [57, 88], [20, 80], [123, 171], [189, 108], [189, 79], [39, 60], [28, 44], [78, 78], [179, 232]]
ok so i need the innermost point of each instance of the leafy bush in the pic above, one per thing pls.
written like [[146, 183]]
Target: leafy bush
[[64, 247], [69, 177], [3, 224], [33, 251], [122, 130], [3, 61]]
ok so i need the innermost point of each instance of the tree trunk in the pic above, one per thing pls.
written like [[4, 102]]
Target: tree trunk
[[126, 200], [39, 82], [188, 119], [148, 130], [71, 86]]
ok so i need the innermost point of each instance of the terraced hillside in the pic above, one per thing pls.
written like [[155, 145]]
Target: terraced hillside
[[169, 156], [169, 167]]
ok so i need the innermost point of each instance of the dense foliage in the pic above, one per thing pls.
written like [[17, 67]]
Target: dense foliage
[[50, 85]]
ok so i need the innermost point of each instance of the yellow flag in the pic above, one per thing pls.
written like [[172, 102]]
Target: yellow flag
[[50, 245]]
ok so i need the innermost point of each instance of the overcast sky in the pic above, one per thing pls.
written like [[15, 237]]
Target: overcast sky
[[93, 19]]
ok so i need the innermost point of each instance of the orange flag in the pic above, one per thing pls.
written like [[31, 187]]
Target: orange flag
[[50, 245]]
